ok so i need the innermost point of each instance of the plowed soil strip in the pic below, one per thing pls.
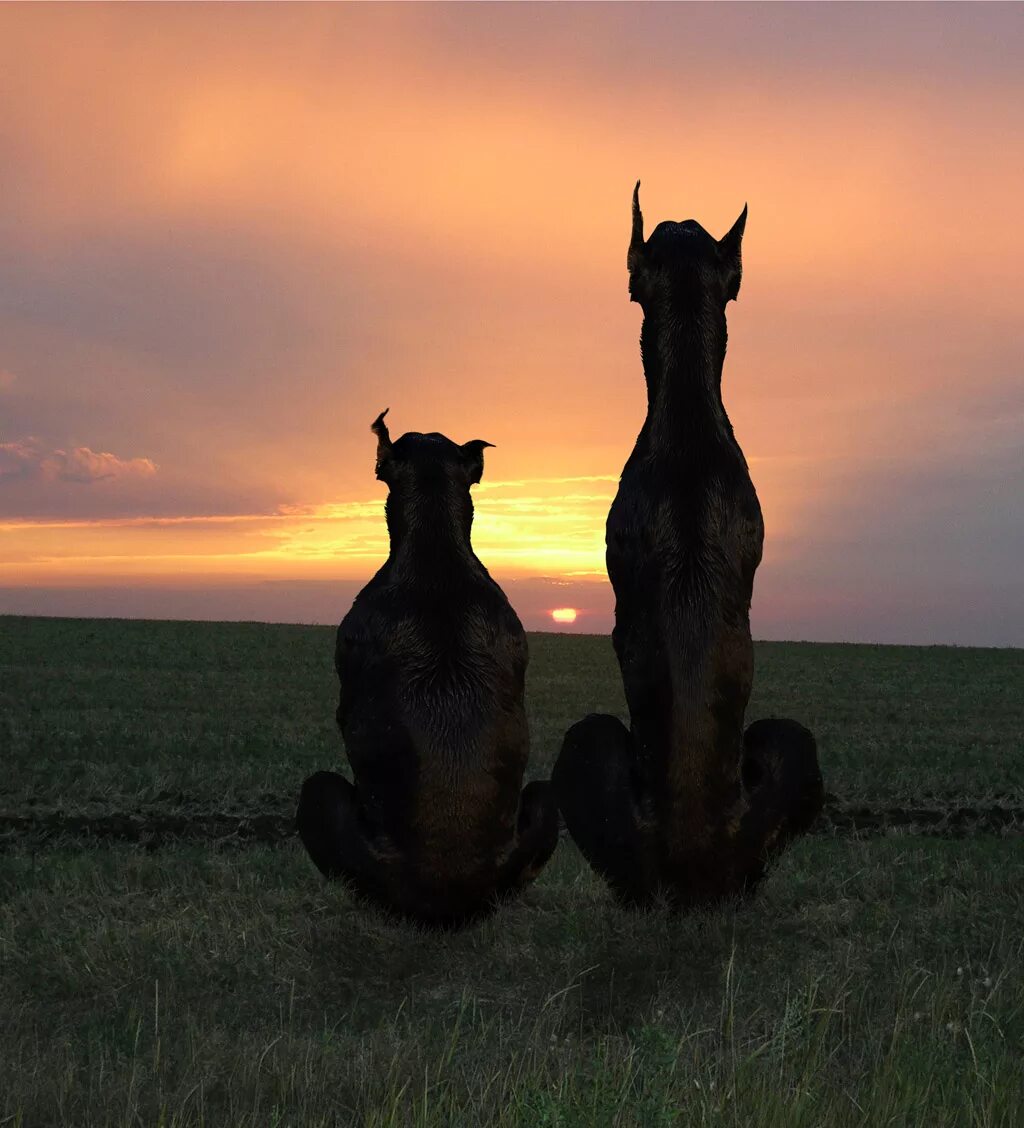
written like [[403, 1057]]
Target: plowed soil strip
[[156, 829]]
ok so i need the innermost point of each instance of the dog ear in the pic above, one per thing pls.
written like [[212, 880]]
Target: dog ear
[[635, 254], [473, 459], [729, 251], [380, 429]]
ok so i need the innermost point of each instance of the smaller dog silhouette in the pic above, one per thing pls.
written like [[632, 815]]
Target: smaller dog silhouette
[[432, 661]]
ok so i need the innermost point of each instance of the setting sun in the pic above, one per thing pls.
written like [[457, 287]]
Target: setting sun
[[564, 614]]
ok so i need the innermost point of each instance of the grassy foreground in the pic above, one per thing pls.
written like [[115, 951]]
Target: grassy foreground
[[874, 981], [106, 714]]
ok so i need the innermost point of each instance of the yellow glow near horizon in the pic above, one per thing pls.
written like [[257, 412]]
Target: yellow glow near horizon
[[564, 614], [523, 527]]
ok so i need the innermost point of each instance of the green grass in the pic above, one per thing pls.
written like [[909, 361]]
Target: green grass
[[873, 981], [104, 715]]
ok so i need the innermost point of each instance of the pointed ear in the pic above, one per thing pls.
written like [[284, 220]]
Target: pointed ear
[[729, 250], [636, 239], [473, 459], [380, 429]]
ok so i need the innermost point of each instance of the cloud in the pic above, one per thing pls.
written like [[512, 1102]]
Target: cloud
[[85, 465], [22, 460], [6, 379], [29, 460]]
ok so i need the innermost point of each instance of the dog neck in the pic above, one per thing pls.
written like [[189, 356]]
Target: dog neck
[[430, 525], [683, 355]]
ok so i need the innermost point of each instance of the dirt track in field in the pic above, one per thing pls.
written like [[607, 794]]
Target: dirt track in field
[[153, 828]]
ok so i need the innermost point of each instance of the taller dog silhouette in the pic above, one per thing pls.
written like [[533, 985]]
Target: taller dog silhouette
[[684, 804], [431, 660]]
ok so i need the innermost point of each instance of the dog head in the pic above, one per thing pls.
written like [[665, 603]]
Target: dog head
[[426, 461], [681, 266]]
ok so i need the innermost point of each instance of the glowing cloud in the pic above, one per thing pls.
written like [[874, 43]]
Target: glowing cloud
[[27, 459]]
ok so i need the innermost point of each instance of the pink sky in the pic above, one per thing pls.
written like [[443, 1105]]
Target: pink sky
[[233, 234]]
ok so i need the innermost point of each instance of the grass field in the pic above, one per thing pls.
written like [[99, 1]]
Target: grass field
[[169, 956]]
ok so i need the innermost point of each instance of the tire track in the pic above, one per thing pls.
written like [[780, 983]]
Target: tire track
[[154, 829]]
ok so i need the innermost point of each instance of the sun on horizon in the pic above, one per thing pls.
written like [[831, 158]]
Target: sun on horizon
[[564, 614]]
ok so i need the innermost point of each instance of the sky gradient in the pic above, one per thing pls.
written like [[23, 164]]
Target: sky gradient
[[231, 235]]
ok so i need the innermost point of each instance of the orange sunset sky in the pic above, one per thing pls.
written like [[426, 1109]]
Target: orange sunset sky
[[232, 234]]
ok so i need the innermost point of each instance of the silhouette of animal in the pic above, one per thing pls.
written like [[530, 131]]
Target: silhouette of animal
[[431, 659], [684, 805]]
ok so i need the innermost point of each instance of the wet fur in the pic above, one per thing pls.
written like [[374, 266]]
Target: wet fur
[[684, 805], [431, 661]]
